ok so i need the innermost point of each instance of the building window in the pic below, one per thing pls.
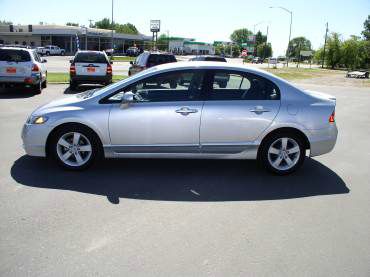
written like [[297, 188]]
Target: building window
[[16, 42]]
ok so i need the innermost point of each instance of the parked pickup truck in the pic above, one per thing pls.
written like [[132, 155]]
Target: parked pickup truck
[[50, 50]]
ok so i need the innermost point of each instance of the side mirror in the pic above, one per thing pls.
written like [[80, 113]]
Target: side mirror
[[44, 61], [127, 98], [131, 62], [70, 61]]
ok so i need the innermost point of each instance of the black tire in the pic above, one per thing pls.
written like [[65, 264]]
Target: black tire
[[73, 85], [37, 88], [94, 140], [263, 154], [62, 53], [44, 84], [47, 53]]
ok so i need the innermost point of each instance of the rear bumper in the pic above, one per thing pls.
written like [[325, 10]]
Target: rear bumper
[[87, 79], [10, 80], [322, 141]]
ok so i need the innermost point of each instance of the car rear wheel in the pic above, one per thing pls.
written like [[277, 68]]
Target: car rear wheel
[[37, 88], [75, 147], [282, 153], [72, 85]]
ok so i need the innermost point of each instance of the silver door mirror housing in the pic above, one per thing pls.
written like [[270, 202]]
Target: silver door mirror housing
[[128, 97]]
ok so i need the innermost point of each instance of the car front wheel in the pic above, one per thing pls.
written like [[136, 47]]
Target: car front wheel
[[75, 148], [283, 153]]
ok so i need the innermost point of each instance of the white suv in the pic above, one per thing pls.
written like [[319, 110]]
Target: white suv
[[22, 67]]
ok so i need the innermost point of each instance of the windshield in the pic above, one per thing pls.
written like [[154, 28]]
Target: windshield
[[122, 82], [90, 58]]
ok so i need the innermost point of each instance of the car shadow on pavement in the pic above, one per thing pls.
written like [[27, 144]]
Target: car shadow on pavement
[[80, 88], [12, 93], [181, 180]]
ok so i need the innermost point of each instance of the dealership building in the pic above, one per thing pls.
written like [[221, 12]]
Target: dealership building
[[189, 46], [68, 37]]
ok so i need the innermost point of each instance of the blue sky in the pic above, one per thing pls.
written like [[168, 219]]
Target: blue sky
[[205, 20]]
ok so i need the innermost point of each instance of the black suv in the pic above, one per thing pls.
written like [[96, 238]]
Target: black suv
[[149, 59]]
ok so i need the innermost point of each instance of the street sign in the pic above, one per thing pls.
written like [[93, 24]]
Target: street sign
[[155, 25], [306, 53], [251, 38], [244, 53]]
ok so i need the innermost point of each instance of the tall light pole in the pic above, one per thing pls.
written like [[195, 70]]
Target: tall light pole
[[290, 30], [112, 32]]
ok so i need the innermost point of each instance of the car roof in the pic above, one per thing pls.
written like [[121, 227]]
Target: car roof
[[17, 48], [91, 52], [184, 65]]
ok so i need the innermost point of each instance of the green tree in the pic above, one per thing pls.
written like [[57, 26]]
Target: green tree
[[350, 52], [334, 55], [240, 36], [72, 24], [162, 43], [260, 38], [296, 45], [103, 24], [5, 22], [366, 31], [264, 50], [127, 28]]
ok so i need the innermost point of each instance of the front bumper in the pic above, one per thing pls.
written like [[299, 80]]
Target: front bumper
[[34, 139], [322, 141]]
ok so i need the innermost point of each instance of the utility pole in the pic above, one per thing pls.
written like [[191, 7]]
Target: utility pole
[[267, 34], [90, 25], [326, 36], [168, 41]]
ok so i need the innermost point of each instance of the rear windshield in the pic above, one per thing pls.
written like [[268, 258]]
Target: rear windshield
[[90, 58], [160, 59], [14, 55]]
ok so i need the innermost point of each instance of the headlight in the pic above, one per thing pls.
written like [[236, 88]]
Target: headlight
[[38, 119]]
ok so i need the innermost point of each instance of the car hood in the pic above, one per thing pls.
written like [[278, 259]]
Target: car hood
[[67, 103]]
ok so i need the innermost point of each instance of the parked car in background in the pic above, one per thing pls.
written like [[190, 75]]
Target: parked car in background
[[363, 74], [148, 59], [257, 60], [152, 115], [132, 52], [51, 50], [90, 67], [22, 67], [208, 58], [18, 46]]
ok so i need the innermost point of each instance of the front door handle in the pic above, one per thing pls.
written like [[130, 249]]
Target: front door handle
[[186, 111], [259, 109]]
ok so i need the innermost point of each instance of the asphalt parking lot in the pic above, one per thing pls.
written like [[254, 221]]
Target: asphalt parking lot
[[186, 217]]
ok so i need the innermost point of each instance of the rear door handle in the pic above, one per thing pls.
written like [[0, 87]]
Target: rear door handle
[[259, 109], [186, 111]]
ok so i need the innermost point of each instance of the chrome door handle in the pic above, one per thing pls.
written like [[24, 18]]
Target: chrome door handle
[[186, 111], [259, 109]]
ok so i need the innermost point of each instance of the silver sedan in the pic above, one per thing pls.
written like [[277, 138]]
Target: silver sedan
[[205, 110]]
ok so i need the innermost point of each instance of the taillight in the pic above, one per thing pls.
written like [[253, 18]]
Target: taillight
[[332, 117], [109, 69], [72, 69], [35, 68]]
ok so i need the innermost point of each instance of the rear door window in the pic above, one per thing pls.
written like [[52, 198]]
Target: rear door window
[[13, 55], [155, 59], [90, 58], [230, 85]]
